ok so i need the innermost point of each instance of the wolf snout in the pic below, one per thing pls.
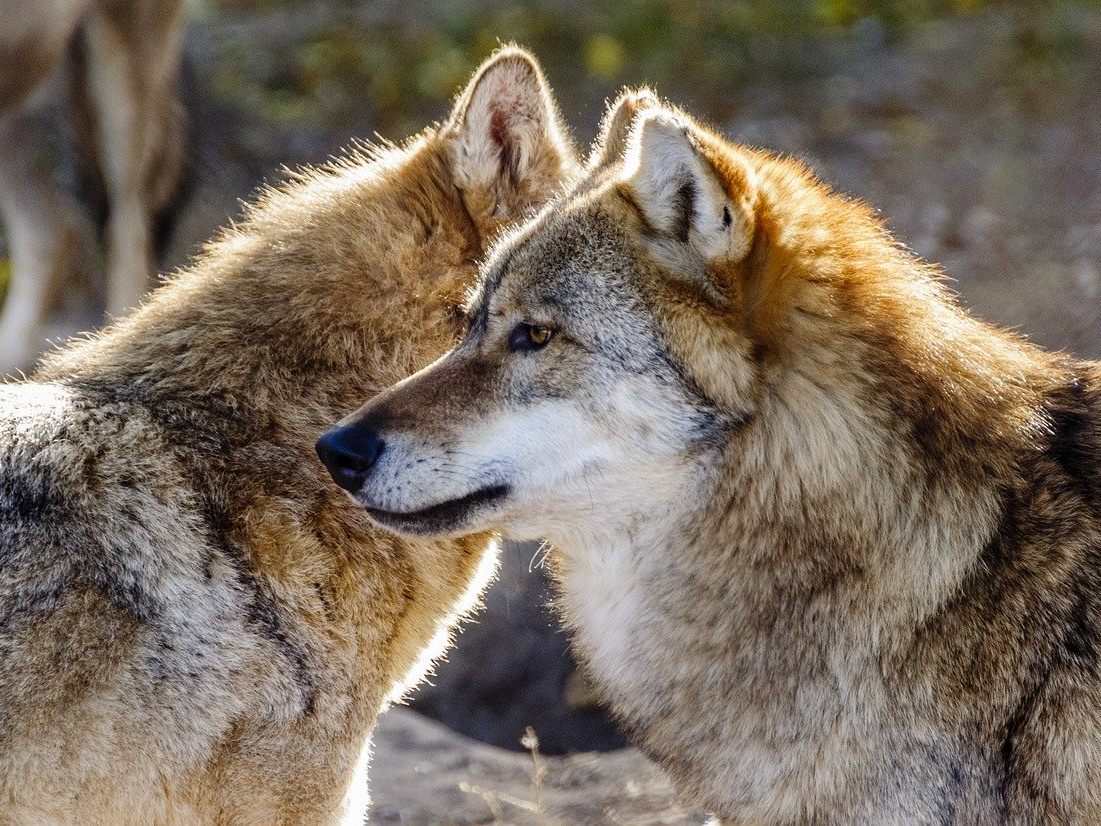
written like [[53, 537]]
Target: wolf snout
[[349, 452]]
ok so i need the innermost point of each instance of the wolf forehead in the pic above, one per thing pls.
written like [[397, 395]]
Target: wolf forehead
[[575, 259]]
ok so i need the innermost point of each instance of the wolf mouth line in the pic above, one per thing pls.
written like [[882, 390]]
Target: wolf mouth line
[[440, 517]]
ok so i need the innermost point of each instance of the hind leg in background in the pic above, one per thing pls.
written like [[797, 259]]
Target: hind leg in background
[[133, 52], [42, 239], [41, 236]]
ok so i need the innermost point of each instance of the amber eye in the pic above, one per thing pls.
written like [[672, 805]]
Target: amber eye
[[528, 337]]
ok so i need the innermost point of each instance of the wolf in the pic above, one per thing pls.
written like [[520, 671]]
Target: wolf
[[830, 546], [195, 625], [125, 57]]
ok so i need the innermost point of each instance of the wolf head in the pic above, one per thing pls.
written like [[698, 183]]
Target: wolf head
[[568, 399], [689, 298]]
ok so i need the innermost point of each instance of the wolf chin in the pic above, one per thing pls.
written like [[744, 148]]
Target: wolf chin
[[195, 626], [830, 546]]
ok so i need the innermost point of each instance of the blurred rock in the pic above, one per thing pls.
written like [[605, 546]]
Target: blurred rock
[[511, 668]]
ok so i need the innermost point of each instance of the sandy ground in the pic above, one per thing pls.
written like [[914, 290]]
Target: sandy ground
[[425, 774]]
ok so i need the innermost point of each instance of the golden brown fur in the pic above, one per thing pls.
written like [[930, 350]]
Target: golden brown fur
[[195, 626], [831, 546]]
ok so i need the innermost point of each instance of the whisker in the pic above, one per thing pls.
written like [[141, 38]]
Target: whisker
[[543, 551]]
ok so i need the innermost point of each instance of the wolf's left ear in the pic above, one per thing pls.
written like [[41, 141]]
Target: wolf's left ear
[[510, 150], [615, 127], [689, 188]]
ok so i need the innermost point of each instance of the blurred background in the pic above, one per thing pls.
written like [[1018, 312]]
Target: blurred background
[[973, 126]]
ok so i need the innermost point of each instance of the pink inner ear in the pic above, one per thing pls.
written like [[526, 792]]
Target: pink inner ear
[[499, 133]]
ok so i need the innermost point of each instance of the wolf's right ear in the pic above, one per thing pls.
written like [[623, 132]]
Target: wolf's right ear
[[615, 127], [689, 189], [510, 150]]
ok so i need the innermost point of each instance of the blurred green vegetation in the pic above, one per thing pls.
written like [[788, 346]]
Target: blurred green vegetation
[[409, 60], [5, 276]]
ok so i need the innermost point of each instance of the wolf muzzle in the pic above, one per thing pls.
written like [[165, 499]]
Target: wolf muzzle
[[349, 452]]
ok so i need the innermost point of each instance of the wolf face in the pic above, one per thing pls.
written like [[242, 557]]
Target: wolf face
[[576, 402]]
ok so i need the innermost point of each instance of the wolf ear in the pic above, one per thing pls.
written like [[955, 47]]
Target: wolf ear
[[615, 127], [510, 150], [688, 188]]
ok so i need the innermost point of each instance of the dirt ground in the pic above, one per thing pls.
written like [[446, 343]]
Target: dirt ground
[[425, 774]]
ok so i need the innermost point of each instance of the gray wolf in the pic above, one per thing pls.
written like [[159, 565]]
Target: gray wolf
[[195, 626], [831, 547], [128, 119]]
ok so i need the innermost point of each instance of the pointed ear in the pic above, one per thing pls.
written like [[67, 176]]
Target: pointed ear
[[691, 188], [615, 127], [510, 151]]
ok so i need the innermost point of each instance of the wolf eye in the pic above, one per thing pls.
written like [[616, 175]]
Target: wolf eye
[[528, 337]]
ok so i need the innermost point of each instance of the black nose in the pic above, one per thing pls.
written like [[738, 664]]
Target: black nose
[[349, 453]]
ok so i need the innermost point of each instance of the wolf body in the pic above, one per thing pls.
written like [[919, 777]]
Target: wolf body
[[195, 625], [125, 60], [831, 547]]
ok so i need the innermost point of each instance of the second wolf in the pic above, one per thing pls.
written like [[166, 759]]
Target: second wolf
[[831, 546], [195, 627]]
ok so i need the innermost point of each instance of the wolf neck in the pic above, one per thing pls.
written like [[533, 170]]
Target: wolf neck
[[768, 565], [841, 522], [328, 292]]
